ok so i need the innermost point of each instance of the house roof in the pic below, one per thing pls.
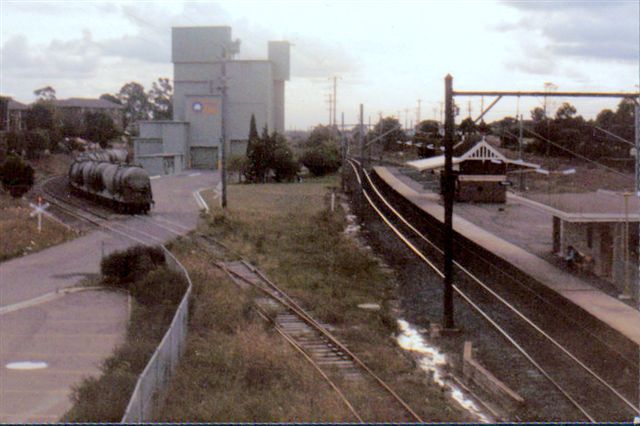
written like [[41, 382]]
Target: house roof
[[86, 103], [17, 106], [467, 150]]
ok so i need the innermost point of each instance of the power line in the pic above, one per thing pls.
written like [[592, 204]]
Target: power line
[[576, 154]]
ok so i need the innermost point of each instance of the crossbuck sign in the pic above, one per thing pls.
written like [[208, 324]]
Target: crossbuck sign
[[39, 210]]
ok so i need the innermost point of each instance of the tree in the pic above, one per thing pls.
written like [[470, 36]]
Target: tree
[[284, 166], [429, 128], [537, 115], [392, 131], [565, 111], [321, 134], [257, 156], [238, 164], [99, 127], [321, 159], [136, 104], [16, 176], [40, 116], [161, 99], [468, 126], [47, 93]]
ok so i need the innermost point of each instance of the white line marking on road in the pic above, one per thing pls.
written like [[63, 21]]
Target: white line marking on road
[[48, 297], [194, 174], [155, 177]]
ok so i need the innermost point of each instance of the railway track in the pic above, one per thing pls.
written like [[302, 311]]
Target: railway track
[[54, 191], [361, 390], [596, 393], [332, 359]]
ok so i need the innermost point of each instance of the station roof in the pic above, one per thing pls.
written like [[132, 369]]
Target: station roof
[[599, 206], [468, 150]]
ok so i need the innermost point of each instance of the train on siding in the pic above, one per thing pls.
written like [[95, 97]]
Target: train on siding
[[103, 177], [110, 155]]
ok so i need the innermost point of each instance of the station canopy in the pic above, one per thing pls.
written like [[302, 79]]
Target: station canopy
[[469, 151]]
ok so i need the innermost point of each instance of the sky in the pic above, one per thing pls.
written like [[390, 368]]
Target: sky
[[386, 54]]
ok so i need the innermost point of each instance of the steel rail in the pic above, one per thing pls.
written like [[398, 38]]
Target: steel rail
[[507, 304], [291, 304], [292, 341], [413, 248], [482, 313]]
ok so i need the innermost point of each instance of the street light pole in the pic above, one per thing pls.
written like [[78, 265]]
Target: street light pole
[[223, 136]]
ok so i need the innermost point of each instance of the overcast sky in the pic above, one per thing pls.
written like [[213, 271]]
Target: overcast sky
[[388, 54]]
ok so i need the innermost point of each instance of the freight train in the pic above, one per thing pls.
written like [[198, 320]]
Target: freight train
[[110, 155], [127, 188]]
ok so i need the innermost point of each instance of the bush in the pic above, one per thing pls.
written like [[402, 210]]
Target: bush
[[121, 268], [321, 159], [161, 286], [284, 166], [16, 176]]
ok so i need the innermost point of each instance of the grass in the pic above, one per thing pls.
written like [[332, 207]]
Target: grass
[[235, 368], [19, 231], [289, 232]]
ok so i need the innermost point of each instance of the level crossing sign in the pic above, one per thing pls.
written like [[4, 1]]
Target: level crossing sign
[[39, 210]]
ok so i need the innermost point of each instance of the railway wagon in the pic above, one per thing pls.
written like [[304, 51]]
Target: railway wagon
[[110, 155], [126, 188]]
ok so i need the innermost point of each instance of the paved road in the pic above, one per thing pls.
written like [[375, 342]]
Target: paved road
[[72, 333]]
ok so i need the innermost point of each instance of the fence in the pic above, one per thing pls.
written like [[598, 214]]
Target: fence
[[156, 374]]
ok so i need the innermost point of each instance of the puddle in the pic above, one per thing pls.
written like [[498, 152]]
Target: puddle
[[369, 306], [433, 362], [26, 365]]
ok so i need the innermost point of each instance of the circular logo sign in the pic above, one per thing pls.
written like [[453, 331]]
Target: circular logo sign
[[197, 106]]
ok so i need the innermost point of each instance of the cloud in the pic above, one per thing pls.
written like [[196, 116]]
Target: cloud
[[60, 59], [581, 29]]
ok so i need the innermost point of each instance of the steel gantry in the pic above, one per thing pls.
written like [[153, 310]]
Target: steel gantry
[[448, 178]]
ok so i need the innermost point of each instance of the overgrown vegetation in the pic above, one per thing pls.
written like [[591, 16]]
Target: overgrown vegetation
[[19, 234], [156, 291], [16, 176], [268, 156], [289, 233]]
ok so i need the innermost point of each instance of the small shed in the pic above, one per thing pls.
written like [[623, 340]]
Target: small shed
[[480, 171]]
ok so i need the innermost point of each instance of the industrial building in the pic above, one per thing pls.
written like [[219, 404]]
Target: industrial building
[[200, 56]]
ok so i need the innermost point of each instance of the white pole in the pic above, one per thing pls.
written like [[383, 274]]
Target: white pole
[[333, 201]]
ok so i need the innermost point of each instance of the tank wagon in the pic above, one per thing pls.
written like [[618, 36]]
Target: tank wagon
[[126, 188], [110, 155]]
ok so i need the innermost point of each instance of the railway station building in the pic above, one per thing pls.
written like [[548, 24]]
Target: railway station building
[[480, 171], [192, 139], [604, 225]]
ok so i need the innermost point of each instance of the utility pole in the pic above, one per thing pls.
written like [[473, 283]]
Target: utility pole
[[335, 84], [520, 143], [360, 135], [418, 112], [223, 126], [447, 320], [469, 107], [330, 101], [406, 118], [441, 112]]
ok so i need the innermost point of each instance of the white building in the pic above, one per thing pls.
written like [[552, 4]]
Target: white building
[[254, 87]]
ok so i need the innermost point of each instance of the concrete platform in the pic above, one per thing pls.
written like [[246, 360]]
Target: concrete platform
[[611, 311]]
